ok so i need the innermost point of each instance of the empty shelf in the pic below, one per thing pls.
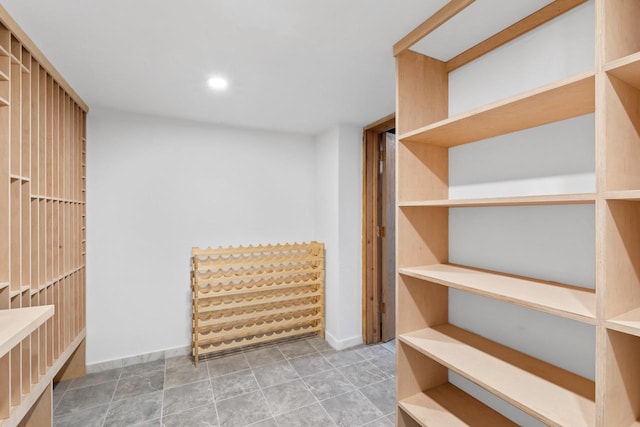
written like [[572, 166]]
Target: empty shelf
[[546, 392], [558, 101], [448, 406], [556, 199], [554, 298], [626, 69], [628, 322], [631, 195]]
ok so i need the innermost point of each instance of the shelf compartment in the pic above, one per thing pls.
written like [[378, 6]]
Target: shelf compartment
[[555, 199], [626, 69], [561, 300], [558, 101], [546, 392], [448, 406], [628, 322], [621, 391], [630, 195]]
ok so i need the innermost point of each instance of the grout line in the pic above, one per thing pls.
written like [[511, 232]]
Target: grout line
[[164, 380], [314, 396], [213, 395], [106, 415]]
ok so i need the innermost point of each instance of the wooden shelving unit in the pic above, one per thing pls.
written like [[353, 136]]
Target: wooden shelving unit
[[42, 207], [250, 295], [429, 347]]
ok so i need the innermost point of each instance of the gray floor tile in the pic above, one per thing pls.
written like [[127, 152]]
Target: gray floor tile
[[243, 410], [392, 418], [264, 356], [203, 416], [320, 344], [150, 423], [287, 397], [234, 384], [139, 384], [185, 374], [92, 417], [386, 364], [227, 364], [380, 422], [296, 349], [362, 373], [310, 416], [371, 351], [97, 378], [134, 410], [86, 397], [342, 358], [278, 373], [269, 422], [58, 392], [391, 346], [328, 384], [174, 362], [62, 386], [351, 409], [310, 364], [143, 368], [183, 398], [382, 395]]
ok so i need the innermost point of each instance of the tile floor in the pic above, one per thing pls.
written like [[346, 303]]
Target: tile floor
[[299, 383]]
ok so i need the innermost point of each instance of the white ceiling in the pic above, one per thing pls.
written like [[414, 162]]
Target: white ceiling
[[293, 65]]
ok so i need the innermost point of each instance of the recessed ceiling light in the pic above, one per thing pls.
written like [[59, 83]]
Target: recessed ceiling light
[[217, 83]]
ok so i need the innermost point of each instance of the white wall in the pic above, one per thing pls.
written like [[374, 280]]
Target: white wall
[[338, 224], [157, 187], [546, 242]]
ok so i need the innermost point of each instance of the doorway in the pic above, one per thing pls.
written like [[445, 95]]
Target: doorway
[[379, 270]]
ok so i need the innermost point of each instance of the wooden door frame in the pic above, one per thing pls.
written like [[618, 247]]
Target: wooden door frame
[[370, 268]]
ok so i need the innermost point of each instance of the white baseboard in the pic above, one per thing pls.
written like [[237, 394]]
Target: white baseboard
[[344, 343], [137, 359]]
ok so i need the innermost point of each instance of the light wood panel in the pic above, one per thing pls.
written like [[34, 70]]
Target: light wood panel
[[620, 30], [249, 295], [566, 301], [562, 100], [555, 199], [622, 121], [550, 394], [40, 148]]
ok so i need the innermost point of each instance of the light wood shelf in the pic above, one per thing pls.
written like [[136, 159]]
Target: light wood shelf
[[562, 100], [556, 199], [17, 324], [630, 195], [628, 322], [626, 69], [550, 394], [448, 406], [561, 300]]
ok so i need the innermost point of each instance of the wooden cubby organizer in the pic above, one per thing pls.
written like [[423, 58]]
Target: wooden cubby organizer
[[250, 295], [428, 346], [42, 211]]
